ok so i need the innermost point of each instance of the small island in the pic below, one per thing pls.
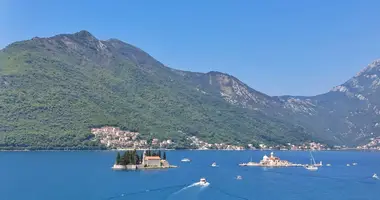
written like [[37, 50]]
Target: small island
[[271, 161], [132, 160]]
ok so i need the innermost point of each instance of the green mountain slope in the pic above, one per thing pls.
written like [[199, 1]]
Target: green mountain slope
[[52, 90]]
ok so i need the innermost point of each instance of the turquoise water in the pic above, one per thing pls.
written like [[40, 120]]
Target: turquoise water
[[87, 175]]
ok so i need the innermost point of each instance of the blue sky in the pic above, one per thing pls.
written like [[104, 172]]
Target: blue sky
[[293, 47]]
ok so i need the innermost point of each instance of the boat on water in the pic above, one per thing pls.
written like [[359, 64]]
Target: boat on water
[[318, 164], [354, 164], [185, 160], [249, 164], [375, 176], [213, 164], [203, 182], [348, 165], [328, 165], [313, 166], [239, 178]]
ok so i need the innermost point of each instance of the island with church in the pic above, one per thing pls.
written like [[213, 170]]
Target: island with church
[[148, 159], [271, 161]]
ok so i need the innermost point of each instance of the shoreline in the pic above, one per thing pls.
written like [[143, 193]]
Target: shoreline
[[113, 150]]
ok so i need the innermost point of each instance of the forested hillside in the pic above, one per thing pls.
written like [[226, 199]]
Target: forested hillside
[[53, 90]]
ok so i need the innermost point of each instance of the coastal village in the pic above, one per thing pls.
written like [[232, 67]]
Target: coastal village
[[374, 144], [115, 138]]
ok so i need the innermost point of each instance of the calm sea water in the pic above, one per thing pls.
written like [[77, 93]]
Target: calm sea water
[[88, 175]]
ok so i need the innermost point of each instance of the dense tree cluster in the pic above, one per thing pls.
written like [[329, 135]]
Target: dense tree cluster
[[51, 95], [134, 157], [129, 158]]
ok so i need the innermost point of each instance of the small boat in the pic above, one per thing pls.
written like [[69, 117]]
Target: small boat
[[239, 178], [313, 165], [214, 164], [375, 176], [185, 160], [119, 167], [354, 164], [319, 164], [249, 164], [328, 165], [203, 182], [348, 165]]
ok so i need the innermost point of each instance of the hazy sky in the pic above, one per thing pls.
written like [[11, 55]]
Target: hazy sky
[[277, 47]]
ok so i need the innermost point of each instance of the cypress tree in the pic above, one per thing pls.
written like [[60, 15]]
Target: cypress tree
[[125, 158], [133, 157], [141, 157], [164, 156], [118, 158], [129, 157], [137, 159], [159, 153]]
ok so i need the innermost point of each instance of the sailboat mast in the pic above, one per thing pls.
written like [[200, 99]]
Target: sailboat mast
[[312, 157]]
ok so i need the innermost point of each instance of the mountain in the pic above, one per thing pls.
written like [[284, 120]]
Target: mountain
[[347, 115], [53, 90]]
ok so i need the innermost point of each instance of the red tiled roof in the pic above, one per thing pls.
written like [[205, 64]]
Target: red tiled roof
[[152, 158]]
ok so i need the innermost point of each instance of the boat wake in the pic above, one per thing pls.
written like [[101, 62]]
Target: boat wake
[[203, 185], [197, 184], [188, 191]]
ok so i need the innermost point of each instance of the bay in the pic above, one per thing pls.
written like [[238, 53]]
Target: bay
[[86, 175]]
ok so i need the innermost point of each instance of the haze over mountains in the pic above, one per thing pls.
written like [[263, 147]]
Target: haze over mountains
[[52, 90]]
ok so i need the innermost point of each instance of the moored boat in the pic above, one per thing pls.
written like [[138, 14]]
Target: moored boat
[[313, 166]]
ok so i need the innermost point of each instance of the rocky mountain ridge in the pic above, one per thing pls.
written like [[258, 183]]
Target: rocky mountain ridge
[[347, 114], [93, 82]]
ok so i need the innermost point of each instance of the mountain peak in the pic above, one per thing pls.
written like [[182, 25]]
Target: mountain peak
[[374, 65], [84, 35]]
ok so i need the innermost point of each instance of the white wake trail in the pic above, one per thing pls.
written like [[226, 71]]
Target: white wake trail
[[185, 188]]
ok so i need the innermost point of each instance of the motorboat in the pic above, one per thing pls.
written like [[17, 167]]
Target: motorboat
[[214, 164], [354, 164], [185, 160], [375, 176], [328, 165], [348, 165], [239, 178], [203, 182]]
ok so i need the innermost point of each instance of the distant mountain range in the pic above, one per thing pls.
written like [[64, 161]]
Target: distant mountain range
[[53, 90]]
